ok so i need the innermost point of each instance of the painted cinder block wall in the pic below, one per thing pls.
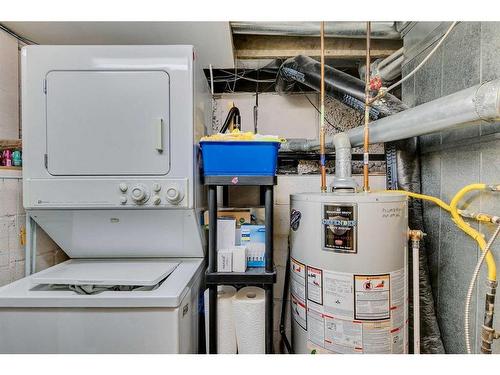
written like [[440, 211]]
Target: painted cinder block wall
[[453, 159]]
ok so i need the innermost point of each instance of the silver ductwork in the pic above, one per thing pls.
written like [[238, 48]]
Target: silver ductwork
[[480, 102], [380, 30], [387, 69], [465, 107]]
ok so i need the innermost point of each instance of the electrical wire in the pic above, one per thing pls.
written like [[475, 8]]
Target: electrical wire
[[238, 77], [17, 36], [417, 68], [317, 109], [471, 288]]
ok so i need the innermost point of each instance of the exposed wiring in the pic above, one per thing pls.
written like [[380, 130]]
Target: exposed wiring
[[423, 61], [237, 77], [471, 288], [17, 36], [317, 109]]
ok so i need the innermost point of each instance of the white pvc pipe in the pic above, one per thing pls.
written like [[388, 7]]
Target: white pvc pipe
[[416, 295]]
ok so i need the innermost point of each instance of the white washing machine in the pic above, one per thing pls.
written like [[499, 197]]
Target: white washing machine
[[111, 173]]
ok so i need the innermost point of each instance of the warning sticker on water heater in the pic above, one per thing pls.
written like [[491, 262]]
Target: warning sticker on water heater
[[372, 297], [315, 285], [339, 228]]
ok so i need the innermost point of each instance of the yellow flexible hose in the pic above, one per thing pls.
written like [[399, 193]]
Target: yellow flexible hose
[[430, 198], [476, 235], [457, 218]]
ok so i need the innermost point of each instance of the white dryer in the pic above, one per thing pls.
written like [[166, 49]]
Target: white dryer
[[111, 173]]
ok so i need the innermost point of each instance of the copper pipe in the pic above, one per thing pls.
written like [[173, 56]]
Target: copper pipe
[[322, 111], [366, 155]]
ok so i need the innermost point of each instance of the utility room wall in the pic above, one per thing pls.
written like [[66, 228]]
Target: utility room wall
[[453, 159], [12, 214]]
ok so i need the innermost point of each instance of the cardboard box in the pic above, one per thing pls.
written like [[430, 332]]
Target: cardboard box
[[239, 258], [226, 233], [240, 215], [253, 237], [225, 260]]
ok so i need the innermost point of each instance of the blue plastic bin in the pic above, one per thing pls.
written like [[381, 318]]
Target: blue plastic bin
[[239, 158]]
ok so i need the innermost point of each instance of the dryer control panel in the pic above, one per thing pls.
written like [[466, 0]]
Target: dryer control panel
[[129, 193]]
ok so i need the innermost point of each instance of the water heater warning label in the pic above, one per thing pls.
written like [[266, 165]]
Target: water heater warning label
[[339, 228], [372, 297]]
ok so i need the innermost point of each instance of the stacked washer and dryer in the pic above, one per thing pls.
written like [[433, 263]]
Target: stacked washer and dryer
[[111, 173]]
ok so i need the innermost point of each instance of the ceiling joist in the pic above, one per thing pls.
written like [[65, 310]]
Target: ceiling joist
[[275, 46]]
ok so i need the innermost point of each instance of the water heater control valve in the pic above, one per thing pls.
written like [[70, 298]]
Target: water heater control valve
[[139, 194]]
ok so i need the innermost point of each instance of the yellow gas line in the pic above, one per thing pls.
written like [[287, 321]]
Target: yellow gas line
[[457, 214], [476, 235]]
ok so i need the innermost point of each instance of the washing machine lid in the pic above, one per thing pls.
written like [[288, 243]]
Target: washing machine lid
[[133, 272], [184, 279]]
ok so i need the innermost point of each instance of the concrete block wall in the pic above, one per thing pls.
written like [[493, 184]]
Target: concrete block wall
[[12, 214], [453, 159]]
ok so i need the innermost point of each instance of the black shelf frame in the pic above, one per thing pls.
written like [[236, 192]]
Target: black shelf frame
[[263, 277]]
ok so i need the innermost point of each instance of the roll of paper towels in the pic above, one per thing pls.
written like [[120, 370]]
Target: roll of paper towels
[[226, 338], [249, 320]]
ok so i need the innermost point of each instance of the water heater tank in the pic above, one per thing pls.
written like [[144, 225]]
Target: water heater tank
[[348, 273]]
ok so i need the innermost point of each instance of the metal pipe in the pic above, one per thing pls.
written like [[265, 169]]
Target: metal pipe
[[380, 30], [366, 142], [389, 59], [480, 102], [322, 111], [392, 70]]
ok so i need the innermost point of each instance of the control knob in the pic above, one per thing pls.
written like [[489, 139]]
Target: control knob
[[174, 196], [139, 194]]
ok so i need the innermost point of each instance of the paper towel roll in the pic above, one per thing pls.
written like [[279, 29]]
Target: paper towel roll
[[249, 320], [226, 338]]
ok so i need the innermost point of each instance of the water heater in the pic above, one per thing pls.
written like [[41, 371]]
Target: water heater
[[348, 273]]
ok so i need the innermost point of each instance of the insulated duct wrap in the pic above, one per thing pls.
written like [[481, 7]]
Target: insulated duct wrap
[[407, 162], [339, 85]]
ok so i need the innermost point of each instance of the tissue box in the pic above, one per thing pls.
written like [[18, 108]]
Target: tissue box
[[226, 233], [239, 259], [225, 260], [253, 237]]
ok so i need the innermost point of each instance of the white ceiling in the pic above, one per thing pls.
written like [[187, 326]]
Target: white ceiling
[[212, 40]]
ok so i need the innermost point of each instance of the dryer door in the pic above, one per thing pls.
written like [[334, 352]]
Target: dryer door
[[103, 123]]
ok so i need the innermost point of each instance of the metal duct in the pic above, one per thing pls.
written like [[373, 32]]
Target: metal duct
[[342, 86], [480, 102], [380, 30]]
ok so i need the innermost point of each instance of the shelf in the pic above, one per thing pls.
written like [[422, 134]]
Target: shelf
[[10, 144], [10, 168], [240, 180], [253, 276]]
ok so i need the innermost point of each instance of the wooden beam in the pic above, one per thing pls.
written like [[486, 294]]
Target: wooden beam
[[274, 46]]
